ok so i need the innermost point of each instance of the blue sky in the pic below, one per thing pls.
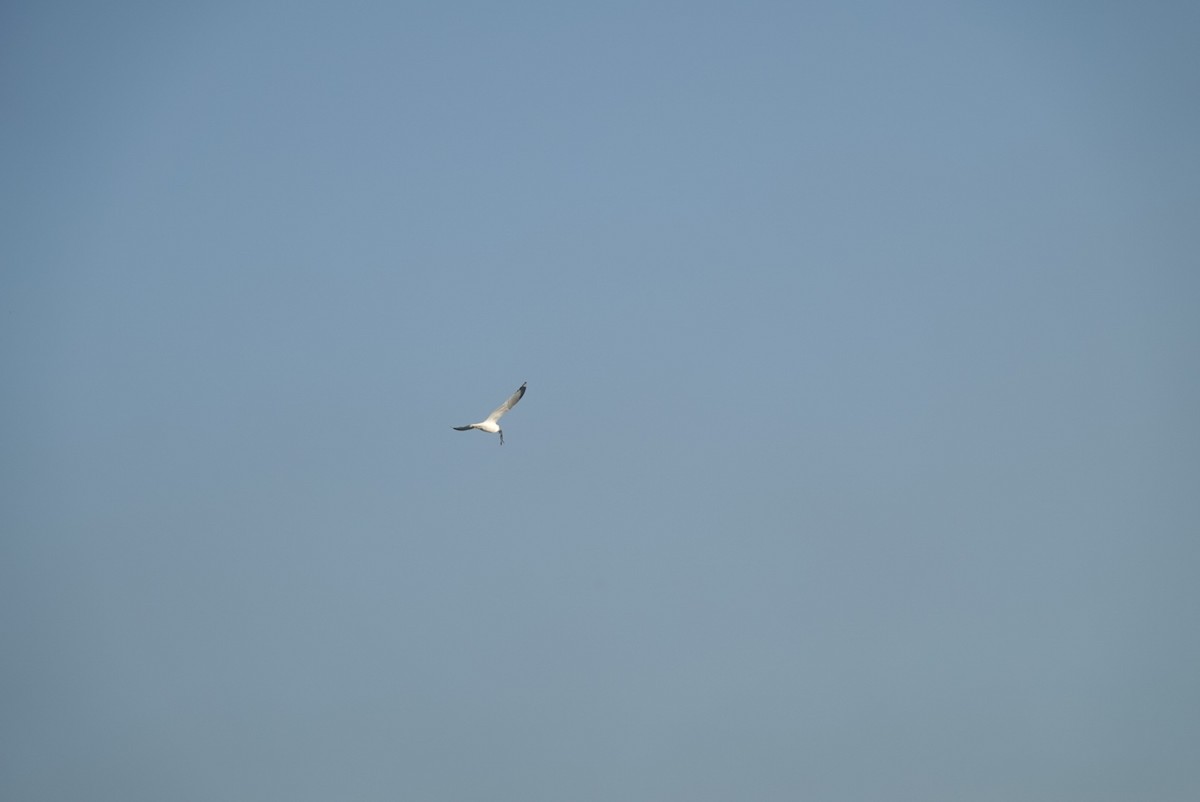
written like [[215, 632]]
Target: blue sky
[[859, 458]]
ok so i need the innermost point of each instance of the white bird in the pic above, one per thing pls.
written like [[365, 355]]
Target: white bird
[[490, 425]]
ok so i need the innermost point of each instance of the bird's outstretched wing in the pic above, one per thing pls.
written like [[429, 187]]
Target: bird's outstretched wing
[[462, 428], [507, 405]]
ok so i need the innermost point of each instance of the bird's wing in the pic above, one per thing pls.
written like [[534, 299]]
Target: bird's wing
[[507, 405], [462, 428]]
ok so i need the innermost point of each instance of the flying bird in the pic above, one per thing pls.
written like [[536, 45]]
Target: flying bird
[[490, 425]]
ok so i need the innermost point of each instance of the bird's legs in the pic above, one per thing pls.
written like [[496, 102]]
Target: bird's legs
[[501, 437]]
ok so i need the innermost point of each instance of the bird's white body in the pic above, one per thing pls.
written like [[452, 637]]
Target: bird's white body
[[491, 424]]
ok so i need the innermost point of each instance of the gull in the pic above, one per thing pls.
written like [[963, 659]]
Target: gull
[[490, 425]]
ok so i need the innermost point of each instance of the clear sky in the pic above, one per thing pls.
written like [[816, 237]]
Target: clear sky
[[860, 458]]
